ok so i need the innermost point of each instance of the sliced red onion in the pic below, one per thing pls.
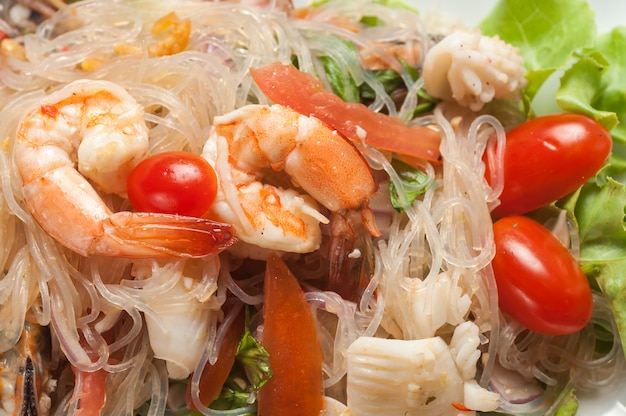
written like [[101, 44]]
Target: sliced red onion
[[512, 386], [380, 204], [566, 231]]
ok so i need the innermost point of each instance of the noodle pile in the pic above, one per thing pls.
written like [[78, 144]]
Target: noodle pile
[[430, 272]]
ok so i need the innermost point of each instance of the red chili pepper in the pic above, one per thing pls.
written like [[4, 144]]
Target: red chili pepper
[[460, 407], [290, 338]]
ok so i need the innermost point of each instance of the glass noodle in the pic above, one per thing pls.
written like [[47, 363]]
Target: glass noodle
[[430, 270]]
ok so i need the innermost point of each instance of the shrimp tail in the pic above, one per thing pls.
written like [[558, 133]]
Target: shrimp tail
[[29, 405], [162, 235], [26, 367]]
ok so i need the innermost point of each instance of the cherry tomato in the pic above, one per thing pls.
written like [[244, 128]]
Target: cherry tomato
[[548, 157], [286, 85], [540, 284], [290, 338], [173, 183]]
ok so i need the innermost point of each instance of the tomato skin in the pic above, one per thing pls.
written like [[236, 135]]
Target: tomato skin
[[548, 157], [215, 375], [90, 391], [288, 86], [540, 284], [173, 183]]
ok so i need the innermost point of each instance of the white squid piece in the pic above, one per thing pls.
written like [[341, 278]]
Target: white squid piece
[[423, 377], [473, 69], [180, 314]]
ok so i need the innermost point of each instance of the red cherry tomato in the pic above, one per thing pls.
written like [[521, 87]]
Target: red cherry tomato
[[540, 284], [547, 158], [173, 183]]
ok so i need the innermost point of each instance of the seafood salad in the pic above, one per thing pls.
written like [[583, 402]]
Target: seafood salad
[[349, 208]]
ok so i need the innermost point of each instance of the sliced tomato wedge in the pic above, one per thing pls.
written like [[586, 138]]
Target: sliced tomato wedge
[[288, 86], [214, 376], [90, 391], [290, 338]]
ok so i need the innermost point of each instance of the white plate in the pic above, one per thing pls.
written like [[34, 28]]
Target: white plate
[[609, 13]]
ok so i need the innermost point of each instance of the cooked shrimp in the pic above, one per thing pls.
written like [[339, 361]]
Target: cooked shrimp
[[251, 142], [96, 129], [25, 380]]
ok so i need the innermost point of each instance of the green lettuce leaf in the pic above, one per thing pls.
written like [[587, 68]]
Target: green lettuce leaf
[[598, 208], [596, 86], [581, 86], [547, 33], [414, 184], [600, 215]]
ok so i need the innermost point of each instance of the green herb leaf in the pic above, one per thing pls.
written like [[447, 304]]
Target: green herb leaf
[[340, 80], [255, 359], [569, 405], [235, 393], [388, 3], [390, 80], [414, 184], [371, 21]]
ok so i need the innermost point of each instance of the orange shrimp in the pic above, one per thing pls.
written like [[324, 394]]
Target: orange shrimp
[[95, 130], [251, 142]]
